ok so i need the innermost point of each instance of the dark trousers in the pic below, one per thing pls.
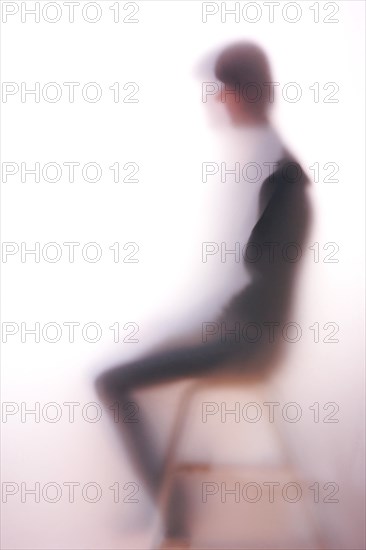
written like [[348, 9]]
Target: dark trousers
[[116, 388]]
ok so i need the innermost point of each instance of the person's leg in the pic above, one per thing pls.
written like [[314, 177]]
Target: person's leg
[[116, 389]]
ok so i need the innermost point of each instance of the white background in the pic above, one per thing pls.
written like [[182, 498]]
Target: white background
[[168, 213]]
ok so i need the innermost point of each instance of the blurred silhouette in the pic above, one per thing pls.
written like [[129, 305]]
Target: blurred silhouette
[[284, 217]]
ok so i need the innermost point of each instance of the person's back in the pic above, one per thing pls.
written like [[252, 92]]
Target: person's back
[[272, 257]]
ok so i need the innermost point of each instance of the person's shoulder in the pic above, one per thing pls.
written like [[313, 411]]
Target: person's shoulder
[[288, 183], [289, 171]]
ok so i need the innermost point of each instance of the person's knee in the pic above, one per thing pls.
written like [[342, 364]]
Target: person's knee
[[109, 385], [101, 385]]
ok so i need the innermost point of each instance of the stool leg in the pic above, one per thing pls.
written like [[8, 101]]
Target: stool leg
[[176, 433], [289, 462]]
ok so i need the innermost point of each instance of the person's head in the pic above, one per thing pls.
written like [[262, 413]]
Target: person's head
[[247, 88]]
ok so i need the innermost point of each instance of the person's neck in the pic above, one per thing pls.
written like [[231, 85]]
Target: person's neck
[[261, 142]]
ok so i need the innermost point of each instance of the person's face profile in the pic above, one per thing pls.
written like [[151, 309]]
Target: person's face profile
[[234, 105], [229, 107]]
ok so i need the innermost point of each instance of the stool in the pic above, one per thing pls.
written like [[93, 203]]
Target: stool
[[260, 381]]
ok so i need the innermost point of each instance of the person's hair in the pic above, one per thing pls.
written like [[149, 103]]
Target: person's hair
[[244, 66]]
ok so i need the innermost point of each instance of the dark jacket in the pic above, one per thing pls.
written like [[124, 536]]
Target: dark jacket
[[274, 251]]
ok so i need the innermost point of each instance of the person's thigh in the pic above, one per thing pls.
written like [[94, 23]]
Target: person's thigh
[[168, 366]]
